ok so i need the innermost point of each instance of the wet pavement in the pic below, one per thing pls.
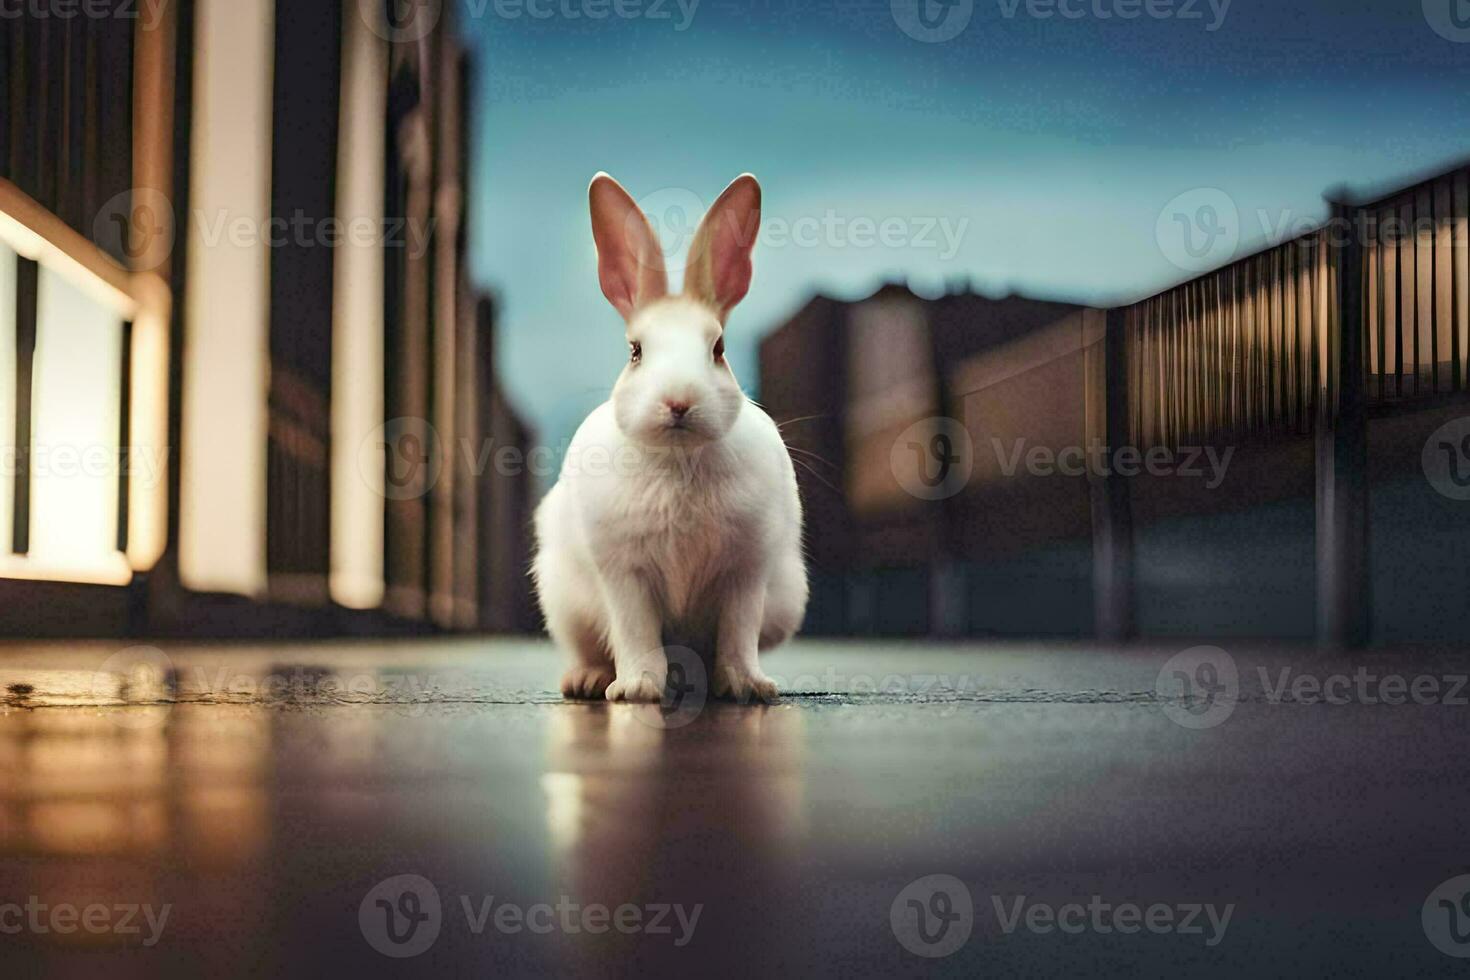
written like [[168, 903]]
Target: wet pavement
[[433, 808]]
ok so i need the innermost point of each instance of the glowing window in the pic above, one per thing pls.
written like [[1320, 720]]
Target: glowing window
[[76, 411]]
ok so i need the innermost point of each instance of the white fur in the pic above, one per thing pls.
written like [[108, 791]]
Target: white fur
[[661, 533]]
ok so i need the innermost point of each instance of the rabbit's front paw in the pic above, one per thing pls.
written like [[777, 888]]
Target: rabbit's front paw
[[638, 687], [586, 681], [743, 684]]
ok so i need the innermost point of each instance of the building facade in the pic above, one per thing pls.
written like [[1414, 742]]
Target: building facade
[[243, 376], [1279, 448]]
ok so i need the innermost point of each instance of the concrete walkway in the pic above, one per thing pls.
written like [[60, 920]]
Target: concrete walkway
[[1024, 810]]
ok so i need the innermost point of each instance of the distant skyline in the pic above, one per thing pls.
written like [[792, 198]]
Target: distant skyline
[[1049, 155]]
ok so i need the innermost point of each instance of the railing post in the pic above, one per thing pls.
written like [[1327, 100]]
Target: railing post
[[1343, 594], [1112, 513]]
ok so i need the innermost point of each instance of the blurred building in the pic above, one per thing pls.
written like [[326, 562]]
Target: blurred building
[[244, 384], [1268, 450], [862, 388]]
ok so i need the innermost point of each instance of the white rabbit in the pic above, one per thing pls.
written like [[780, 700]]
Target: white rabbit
[[675, 518]]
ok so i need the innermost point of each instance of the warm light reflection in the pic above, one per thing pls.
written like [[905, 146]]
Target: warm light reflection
[[612, 770], [74, 781], [564, 810]]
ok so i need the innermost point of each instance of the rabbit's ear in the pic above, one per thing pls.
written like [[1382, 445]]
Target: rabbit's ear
[[719, 259], [630, 263]]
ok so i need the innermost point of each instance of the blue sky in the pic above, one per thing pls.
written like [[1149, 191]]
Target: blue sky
[[1028, 152]]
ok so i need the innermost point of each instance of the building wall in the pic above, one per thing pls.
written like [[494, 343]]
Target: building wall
[[1009, 553], [233, 321]]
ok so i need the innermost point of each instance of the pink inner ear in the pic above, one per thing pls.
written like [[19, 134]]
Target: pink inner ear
[[621, 291], [730, 255], [729, 239], [630, 265]]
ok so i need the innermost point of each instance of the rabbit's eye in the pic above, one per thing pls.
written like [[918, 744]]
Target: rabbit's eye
[[719, 348], [635, 352]]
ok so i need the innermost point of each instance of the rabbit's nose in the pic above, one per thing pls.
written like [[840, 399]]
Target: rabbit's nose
[[677, 409]]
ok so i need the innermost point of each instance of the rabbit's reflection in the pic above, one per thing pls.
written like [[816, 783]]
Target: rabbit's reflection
[[711, 813]]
